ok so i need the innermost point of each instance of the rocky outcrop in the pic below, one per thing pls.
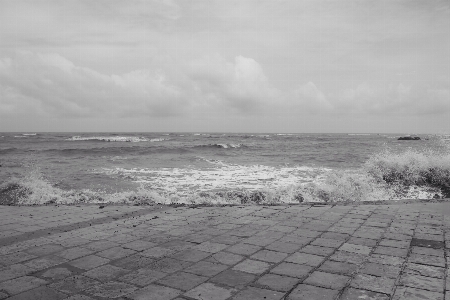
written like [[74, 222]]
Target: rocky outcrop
[[409, 138]]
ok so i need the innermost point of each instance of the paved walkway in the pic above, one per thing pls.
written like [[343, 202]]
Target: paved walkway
[[241, 253]]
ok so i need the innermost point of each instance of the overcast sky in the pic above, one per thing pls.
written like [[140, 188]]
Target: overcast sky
[[207, 65]]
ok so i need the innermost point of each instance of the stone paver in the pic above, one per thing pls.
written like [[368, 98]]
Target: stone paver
[[293, 270], [89, 262], [423, 282], [14, 271], [349, 257], [269, 256], [252, 266], [357, 294], [381, 270], [209, 291], [386, 260], [427, 260], [327, 280], [427, 251], [395, 251], [383, 285], [225, 258], [74, 253], [277, 282], [360, 249], [112, 289], [116, 253], [105, 273], [45, 262], [409, 293], [168, 265], [133, 262], [253, 293], [424, 270], [21, 284], [309, 292], [182, 281], [142, 277], [338, 267], [305, 259], [243, 249], [74, 284], [395, 243], [56, 273], [40, 293], [317, 250], [233, 278], [401, 252], [205, 268], [191, 255], [155, 292], [331, 243]]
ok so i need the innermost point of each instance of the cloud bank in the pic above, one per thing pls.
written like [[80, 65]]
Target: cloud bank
[[286, 65]]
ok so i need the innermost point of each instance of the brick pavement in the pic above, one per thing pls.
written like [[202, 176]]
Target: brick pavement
[[241, 252]]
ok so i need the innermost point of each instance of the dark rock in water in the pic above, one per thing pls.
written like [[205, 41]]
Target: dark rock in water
[[409, 138]]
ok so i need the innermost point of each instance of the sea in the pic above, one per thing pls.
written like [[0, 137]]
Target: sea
[[220, 168]]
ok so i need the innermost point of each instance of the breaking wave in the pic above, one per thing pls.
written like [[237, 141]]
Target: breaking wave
[[223, 146], [133, 139]]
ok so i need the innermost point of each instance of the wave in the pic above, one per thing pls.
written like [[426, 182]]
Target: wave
[[133, 139], [29, 134], [359, 134], [428, 168], [388, 175], [223, 146], [348, 188]]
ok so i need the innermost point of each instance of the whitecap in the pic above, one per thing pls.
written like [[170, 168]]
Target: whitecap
[[133, 139]]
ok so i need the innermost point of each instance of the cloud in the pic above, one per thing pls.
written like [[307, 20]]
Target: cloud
[[373, 99], [241, 85], [309, 99], [51, 85], [393, 99], [48, 84]]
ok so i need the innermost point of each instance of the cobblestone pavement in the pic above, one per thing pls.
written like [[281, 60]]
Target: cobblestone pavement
[[242, 253]]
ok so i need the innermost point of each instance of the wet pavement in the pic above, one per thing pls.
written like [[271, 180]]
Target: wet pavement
[[394, 251]]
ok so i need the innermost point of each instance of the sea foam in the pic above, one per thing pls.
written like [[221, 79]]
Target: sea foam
[[133, 139]]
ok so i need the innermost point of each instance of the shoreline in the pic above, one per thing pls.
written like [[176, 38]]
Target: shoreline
[[316, 203]]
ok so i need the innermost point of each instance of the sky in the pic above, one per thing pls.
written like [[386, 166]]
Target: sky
[[225, 66]]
